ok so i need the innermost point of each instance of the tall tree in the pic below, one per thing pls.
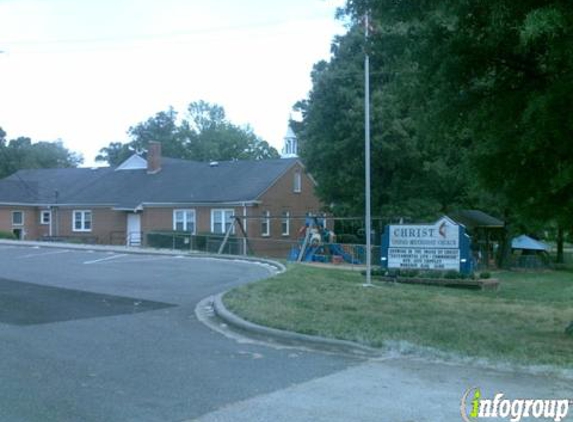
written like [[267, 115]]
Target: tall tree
[[22, 153], [115, 153], [484, 88], [164, 128], [495, 80], [410, 178], [205, 134], [213, 137]]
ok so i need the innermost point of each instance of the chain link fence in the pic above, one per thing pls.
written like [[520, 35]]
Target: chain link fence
[[316, 239], [319, 239]]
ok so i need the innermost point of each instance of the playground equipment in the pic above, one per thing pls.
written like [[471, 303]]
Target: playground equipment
[[316, 244]]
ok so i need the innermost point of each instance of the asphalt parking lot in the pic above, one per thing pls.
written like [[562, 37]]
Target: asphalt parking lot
[[94, 335], [110, 336]]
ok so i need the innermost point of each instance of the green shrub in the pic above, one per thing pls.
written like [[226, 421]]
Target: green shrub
[[377, 272], [7, 235], [451, 275], [393, 273], [484, 275], [347, 238], [416, 273], [210, 242], [410, 273], [430, 274], [201, 241], [169, 240]]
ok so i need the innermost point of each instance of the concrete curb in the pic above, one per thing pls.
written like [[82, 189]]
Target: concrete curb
[[291, 338], [277, 267], [340, 346]]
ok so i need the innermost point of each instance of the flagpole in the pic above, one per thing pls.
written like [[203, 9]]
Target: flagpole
[[367, 155]]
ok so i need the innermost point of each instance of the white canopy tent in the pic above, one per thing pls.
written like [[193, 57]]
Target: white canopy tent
[[526, 243]]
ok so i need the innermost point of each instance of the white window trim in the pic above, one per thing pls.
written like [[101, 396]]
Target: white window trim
[[285, 219], [185, 221], [297, 182], [224, 212], [83, 221], [266, 221], [42, 213], [23, 218]]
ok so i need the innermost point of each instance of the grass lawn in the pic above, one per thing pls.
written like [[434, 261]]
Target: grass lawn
[[523, 322]]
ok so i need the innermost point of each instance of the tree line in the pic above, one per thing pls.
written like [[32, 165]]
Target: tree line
[[22, 153], [471, 108], [471, 105], [204, 134]]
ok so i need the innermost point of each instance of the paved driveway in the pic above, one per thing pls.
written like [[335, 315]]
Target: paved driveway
[[95, 336], [101, 336]]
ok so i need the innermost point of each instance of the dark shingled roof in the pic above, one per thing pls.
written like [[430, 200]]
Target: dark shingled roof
[[42, 186], [476, 218], [179, 181]]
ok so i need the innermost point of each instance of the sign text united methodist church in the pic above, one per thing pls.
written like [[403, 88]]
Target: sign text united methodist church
[[443, 245]]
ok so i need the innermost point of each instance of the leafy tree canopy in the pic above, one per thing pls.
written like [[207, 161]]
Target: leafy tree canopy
[[204, 134], [21, 153], [470, 107], [409, 180]]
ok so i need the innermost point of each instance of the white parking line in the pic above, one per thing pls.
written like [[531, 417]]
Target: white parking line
[[33, 255], [105, 259], [151, 259]]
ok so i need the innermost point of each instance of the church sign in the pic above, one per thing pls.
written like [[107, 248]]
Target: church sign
[[443, 246]]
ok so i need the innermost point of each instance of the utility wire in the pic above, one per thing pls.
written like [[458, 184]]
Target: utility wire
[[166, 35]]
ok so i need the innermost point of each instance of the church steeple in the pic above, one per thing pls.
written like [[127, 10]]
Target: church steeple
[[290, 145]]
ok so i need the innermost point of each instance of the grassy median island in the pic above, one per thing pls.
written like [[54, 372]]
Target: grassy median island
[[522, 322]]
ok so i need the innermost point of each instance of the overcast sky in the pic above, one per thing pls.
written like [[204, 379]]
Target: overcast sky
[[83, 71]]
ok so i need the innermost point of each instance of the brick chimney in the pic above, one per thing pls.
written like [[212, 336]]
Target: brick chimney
[[154, 157]]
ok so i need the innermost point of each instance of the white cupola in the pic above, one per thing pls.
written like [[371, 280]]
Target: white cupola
[[290, 146]]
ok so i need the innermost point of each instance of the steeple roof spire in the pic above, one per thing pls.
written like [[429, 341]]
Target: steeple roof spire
[[290, 144]]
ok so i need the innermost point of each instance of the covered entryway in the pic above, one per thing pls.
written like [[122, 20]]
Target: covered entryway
[[133, 235], [487, 233]]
